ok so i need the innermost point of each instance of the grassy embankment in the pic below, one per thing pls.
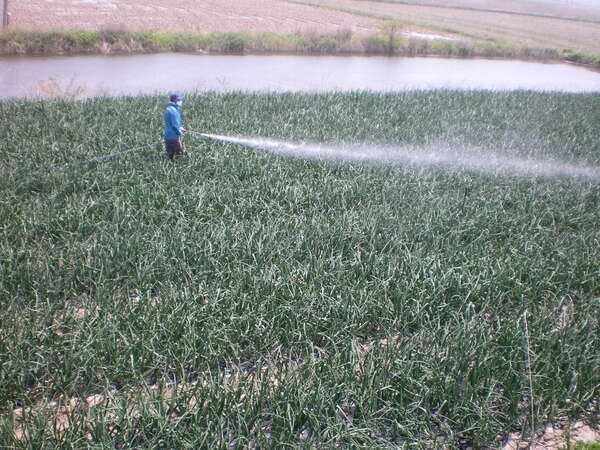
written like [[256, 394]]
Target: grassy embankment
[[240, 298], [388, 41]]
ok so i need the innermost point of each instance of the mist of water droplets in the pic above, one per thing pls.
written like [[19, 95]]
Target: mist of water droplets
[[426, 157]]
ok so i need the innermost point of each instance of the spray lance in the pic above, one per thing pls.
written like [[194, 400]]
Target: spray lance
[[271, 145], [222, 138]]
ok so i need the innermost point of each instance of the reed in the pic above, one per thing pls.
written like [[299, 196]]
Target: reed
[[383, 42]]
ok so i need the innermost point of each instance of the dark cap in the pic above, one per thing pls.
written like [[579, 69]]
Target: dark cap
[[176, 97]]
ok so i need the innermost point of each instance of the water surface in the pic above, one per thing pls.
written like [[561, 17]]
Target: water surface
[[160, 73]]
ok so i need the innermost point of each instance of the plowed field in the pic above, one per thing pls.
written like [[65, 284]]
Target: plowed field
[[533, 24], [571, 25], [205, 15]]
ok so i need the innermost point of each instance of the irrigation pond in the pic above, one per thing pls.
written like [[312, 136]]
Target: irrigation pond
[[341, 281], [87, 76]]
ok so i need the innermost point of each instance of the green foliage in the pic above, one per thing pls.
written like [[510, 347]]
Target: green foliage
[[229, 42], [374, 45], [386, 41], [579, 57], [179, 41], [450, 48], [83, 37], [239, 298], [587, 446], [113, 36], [390, 30], [272, 42]]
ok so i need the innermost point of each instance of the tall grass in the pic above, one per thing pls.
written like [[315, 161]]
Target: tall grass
[[236, 298], [383, 42]]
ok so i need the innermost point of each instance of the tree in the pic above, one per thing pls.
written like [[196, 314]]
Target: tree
[[391, 29]]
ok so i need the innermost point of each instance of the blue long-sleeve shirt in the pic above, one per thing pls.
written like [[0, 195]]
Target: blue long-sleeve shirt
[[172, 121]]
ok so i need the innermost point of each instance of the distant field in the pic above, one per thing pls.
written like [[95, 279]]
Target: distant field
[[189, 15], [556, 25], [589, 10], [516, 23]]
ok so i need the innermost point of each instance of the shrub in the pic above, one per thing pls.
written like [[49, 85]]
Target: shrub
[[266, 41], [374, 44], [325, 45], [574, 56], [113, 36], [417, 47], [229, 42], [83, 38]]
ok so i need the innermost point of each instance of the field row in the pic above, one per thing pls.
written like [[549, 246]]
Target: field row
[[237, 298]]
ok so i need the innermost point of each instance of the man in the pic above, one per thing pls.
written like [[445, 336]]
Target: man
[[173, 128]]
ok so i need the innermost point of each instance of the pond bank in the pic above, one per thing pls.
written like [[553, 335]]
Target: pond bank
[[387, 42]]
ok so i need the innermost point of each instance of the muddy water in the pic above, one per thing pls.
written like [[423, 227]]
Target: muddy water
[[160, 73]]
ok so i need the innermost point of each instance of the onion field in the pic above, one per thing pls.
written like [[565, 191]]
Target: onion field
[[240, 298]]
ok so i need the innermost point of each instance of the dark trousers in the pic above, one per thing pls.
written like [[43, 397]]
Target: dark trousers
[[173, 147]]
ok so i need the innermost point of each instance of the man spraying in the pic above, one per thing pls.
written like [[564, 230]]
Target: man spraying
[[173, 128]]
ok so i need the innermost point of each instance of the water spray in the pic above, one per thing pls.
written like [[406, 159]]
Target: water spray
[[246, 142], [440, 157]]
